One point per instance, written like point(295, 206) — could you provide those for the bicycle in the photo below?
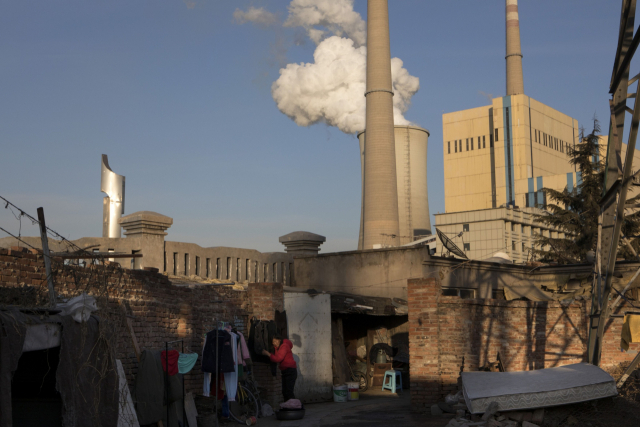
point(248, 403)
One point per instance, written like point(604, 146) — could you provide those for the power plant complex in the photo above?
point(395, 203)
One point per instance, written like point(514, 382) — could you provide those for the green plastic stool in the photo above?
point(389, 381)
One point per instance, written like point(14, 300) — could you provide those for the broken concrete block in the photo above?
point(538, 416)
point(460, 413)
point(491, 409)
point(519, 416)
point(501, 418)
point(445, 407)
point(455, 423)
point(528, 424)
point(435, 410)
point(572, 421)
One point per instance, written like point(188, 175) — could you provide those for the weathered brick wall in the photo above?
point(161, 311)
point(449, 334)
point(264, 300)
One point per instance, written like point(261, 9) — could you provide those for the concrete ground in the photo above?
point(375, 408)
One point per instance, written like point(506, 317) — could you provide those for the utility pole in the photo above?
point(47, 258)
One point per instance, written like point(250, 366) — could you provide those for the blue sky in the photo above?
point(180, 99)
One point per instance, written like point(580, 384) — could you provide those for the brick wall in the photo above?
point(162, 312)
point(449, 334)
point(264, 300)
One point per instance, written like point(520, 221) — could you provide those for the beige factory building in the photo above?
point(497, 159)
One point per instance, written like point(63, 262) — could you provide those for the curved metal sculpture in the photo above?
point(113, 205)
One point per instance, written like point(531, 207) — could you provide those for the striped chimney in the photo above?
point(381, 224)
point(515, 83)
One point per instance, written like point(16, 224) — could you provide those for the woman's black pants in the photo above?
point(289, 376)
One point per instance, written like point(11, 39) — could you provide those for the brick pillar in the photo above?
point(424, 343)
point(264, 300)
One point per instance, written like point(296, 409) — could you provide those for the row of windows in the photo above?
point(469, 144)
point(236, 269)
point(549, 141)
point(539, 137)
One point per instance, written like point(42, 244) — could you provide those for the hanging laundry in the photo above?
point(170, 359)
point(186, 362)
point(630, 331)
point(231, 378)
point(243, 346)
point(225, 352)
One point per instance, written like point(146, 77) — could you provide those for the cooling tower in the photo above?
point(515, 83)
point(411, 168)
point(380, 206)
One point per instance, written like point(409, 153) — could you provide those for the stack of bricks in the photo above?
point(448, 335)
point(264, 300)
point(161, 312)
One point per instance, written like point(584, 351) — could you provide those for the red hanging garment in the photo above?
point(172, 359)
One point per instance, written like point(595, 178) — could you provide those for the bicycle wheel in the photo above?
point(245, 405)
point(360, 378)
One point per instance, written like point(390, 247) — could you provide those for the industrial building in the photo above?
point(498, 158)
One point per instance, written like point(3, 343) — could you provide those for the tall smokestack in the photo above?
point(381, 225)
point(515, 83)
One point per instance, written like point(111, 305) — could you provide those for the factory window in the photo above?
point(247, 270)
point(496, 137)
point(513, 245)
point(208, 267)
point(544, 138)
point(484, 145)
point(197, 265)
point(455, 146)
point(274, 272)
point(472, 143)
point(467, 144)
point(264, 273)
point(175, 263)
point(448, 147)
point(491, 140)
point(228, 268)
point(513, 227)
point(218, 273)
point(523, 248)
point(460, 145)
point(465, 227)
point(186, 264)
point(467, 246)
point(238, 266)
point(522, 228)
point(535, 132)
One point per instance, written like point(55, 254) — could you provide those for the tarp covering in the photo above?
point(562, 385)
point(86, 375)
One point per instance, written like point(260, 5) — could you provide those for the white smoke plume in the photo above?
point(336, 16)
point(331, 89)
point(258, 16)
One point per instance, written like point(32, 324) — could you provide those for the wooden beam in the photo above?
point(72, 255)
point(47, 257)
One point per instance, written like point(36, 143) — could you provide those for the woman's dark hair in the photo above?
point(277, 337)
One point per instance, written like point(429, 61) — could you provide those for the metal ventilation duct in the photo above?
point(113, 205)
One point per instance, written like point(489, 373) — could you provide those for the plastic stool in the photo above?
point(392, 383)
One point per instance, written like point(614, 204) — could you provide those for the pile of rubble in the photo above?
point(455, 404)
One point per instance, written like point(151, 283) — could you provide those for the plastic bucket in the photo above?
point(353, 391)
point(340, 393)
